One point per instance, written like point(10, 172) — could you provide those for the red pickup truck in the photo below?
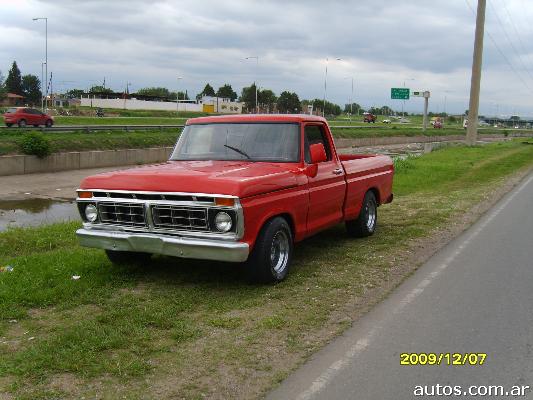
point(236, 188)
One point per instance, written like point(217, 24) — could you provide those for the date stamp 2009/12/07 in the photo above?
point(442, 358)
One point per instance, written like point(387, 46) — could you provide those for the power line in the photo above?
point(517, 33)
point(501, 52)
point(509, 40)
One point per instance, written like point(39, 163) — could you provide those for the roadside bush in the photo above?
point(35, 143)
point(402, 164)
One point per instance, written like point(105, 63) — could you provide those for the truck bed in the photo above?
point(366, 172)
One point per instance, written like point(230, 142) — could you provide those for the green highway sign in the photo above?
point(399, 93)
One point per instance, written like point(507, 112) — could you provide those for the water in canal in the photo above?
point(33, 212)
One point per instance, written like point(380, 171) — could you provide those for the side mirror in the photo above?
point(318, 153)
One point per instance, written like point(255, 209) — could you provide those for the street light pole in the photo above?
point(255, 82)
point(42, 81)
point(326, 86)
point(351, 98)
point(45, 54)
point(403, 101)
point(178, 95)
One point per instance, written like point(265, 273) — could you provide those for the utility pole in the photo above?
point(256, 76)
point(126, 93)
point(473, 108)
point(178, 95)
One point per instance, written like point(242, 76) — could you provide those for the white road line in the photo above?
point(322, 381)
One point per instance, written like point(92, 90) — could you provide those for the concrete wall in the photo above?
point(134, 104)
point(19, 164)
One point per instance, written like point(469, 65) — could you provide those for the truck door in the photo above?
point(327, 188)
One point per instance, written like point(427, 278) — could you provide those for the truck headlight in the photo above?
point(223, 221)
point(91, 213)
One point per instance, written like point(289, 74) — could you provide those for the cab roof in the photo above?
point(242, 118)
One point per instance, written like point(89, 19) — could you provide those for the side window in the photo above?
point(315, 134)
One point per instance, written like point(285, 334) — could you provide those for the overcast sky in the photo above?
point(381, 44)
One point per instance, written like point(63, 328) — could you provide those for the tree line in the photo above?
point(27, 85)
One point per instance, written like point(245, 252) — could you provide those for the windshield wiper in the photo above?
point(238, 151)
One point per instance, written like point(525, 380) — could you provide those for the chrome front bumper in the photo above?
point(204, 249)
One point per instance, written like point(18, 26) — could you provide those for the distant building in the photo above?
point(61, 101)
point(206, 104)
point(13, 100)
point(220, 105)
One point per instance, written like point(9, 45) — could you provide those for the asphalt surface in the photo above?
point(474, 296)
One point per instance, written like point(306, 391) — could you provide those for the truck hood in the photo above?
point(237, 178)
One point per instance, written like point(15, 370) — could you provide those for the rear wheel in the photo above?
point(127, 257)
point(49, 123)
point(365, 224)
point(22, 123)
point(9, 125)
point(36, 125)
point(271, 258)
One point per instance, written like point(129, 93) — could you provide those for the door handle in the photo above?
point(337, 171)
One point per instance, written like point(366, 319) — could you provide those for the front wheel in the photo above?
point(22, 123)
point(271, 257)
point(9, 125)
point(49, 123)
point(127, 257)
point(365, 224)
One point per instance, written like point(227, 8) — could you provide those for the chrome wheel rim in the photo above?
point(279, 251)
point(370, 211)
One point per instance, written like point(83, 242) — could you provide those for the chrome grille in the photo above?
point(129, 214)
point(179, 217)
point(154, 196)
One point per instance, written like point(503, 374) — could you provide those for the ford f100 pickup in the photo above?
point(237, 189)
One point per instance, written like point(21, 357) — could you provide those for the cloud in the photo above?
point(381, 44)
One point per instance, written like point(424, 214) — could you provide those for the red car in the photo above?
point(369, 117)
point(239, 189)
point(23, 116)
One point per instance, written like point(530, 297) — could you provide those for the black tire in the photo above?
point(9, 125)
point(365, 224)
point(22, 123)
point(36, 125)
point(49, 123)
point(127, 257)
point(272, 254)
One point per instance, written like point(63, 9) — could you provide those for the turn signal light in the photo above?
point(85, 195)
point(224, 202)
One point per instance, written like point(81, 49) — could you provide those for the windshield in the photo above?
point(236, 141)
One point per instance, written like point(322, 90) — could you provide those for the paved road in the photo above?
point(475, 295)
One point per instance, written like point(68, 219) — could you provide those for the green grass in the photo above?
point(62, 121)
point(195, 328)
point(99, 140)
point(110, 140)
point(142, 113)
